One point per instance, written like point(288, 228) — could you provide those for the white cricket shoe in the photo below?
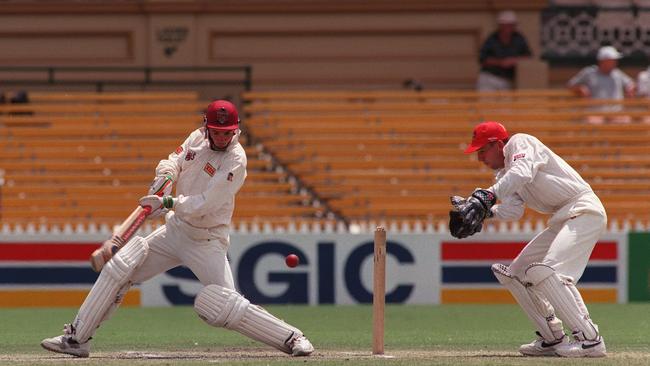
point(541, 348)
point(301, 346)
point(65, 344)
point(583, 348)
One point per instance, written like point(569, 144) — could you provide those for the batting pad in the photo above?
point(109, 288)
point(562, 298)
point(222, 307)
point(539, 311)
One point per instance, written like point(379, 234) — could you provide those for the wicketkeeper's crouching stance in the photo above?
point(543, 276)
point(208, 168)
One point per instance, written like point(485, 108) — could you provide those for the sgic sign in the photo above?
point(332, 270)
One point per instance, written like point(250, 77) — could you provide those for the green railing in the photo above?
point(102, 76)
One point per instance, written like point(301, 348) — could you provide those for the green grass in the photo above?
point(427, 335)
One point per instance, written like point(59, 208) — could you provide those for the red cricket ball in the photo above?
point(292, 260)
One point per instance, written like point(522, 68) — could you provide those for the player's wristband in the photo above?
point(168, 202)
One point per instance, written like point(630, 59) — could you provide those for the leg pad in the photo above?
point(546, 281)
point(538, 310)
point(222, 307)
point(108, 290)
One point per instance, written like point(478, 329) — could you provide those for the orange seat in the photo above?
point(388, 155)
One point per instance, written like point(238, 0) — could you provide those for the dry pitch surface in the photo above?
point(258, 356)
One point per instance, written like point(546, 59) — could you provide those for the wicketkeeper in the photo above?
point(543, 277)
point(208, 169)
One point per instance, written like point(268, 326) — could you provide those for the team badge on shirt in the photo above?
point(208, 168)
point(190, 155)
point(518, 156)
point(179, 150)
point(230, 176)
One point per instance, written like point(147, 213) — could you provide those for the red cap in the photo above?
point(221, 115)
point(485, 132)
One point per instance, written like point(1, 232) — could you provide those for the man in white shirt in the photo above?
point(643, 88)
point(543, 276)
point(604, 81)
point(208, 168)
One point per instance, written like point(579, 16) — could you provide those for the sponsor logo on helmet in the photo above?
point(208, 168)
point(222, 116)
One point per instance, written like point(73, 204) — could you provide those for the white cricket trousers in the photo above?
point(176, 243)
point(490, 82)
point(565, 247)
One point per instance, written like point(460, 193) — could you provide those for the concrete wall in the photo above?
point(293, 44)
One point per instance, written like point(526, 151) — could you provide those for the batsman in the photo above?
point(208, 169)
point(543, 277)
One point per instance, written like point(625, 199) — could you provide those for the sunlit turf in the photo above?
point(492, 329)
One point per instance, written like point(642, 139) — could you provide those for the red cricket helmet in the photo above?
point(221, 115)
point(485, 133)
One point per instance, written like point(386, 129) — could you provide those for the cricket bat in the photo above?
point(125, 231)
point(120, 237)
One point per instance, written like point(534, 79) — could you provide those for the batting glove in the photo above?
point(159, 205)
point(161, 185)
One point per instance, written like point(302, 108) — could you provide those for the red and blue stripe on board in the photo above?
point(76, 270)
point(601, 268)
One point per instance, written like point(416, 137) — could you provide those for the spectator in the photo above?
point(604, 81)
point(500, 54)
point(643, 83)
point(643, 88)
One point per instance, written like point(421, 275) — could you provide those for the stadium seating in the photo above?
point(314, 157)
point(82, 158)
point(113, 97)
point(398, 155)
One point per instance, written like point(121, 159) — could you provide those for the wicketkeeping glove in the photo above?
point(457, 225)
point(478, 207)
